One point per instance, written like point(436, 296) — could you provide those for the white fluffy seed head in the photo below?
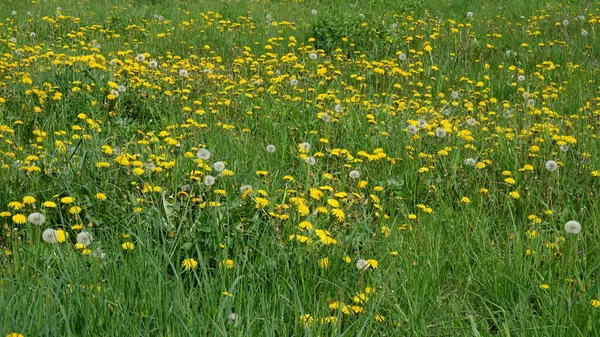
point(234, 319)
point(293, 82)
point(203, 154)
point(84, 238)
point(209, 180)
point(354, 174)
point(219, 166)
point(551, 165)
point(422, 124)
point(183, 73)
point(36, 218)
point(50, 235)
point(338, 108)
point(573, 227)
point(305, 146)
point(470, 162)
point(271, 148)
point(440, 133)
point(313, 56)
point(412, 129)
point(310, 161)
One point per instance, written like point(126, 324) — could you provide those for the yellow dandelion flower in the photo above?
point(189, 263)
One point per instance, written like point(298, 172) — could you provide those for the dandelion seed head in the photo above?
point(573, 227)
point(84, 238)
point(203, 154)
point(551, 165)
point(36, 218)
point(354, 174)
point(271, 148)
point(209, 180)
point(310, 161)
point(305, 146)
point(219, 166)
point(412, 129)
point(50, 235)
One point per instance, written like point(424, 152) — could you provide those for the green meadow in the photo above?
point(299, 168)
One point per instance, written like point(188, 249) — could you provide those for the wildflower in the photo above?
point(203, 154)
point(128, 246)
point(183, 73)
point(233, 319)
point(412, 129)
point(324, 263)
point(271, 148)
point(293, 82)
point(470, 162)
point(520, 78)
point(440, 133)
point(584, 33)
point(514, 195)
point(140, 57)
point(573, 227)
point(469, 14)
point(228, 263)
point(189, 263)
point(595, 303)
point(84, 238)
point(338, 108)
point(74, 210)
point(67, 200)
point(422, 124)
point(50, 235)
point(152, 64)
point(551, 165)
point(305, 147)
point(209, 180)
point(544, 286)
point(36, 218)
point(465, 200)
point(219, 166)
point(354, 174)
point(472, 121)
point(310, 161)
point(402, 57)
point(28, 200)
point(313, 56)
point(313, 12)
point(19, 219)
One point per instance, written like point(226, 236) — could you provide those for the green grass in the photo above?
point(452, 250)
